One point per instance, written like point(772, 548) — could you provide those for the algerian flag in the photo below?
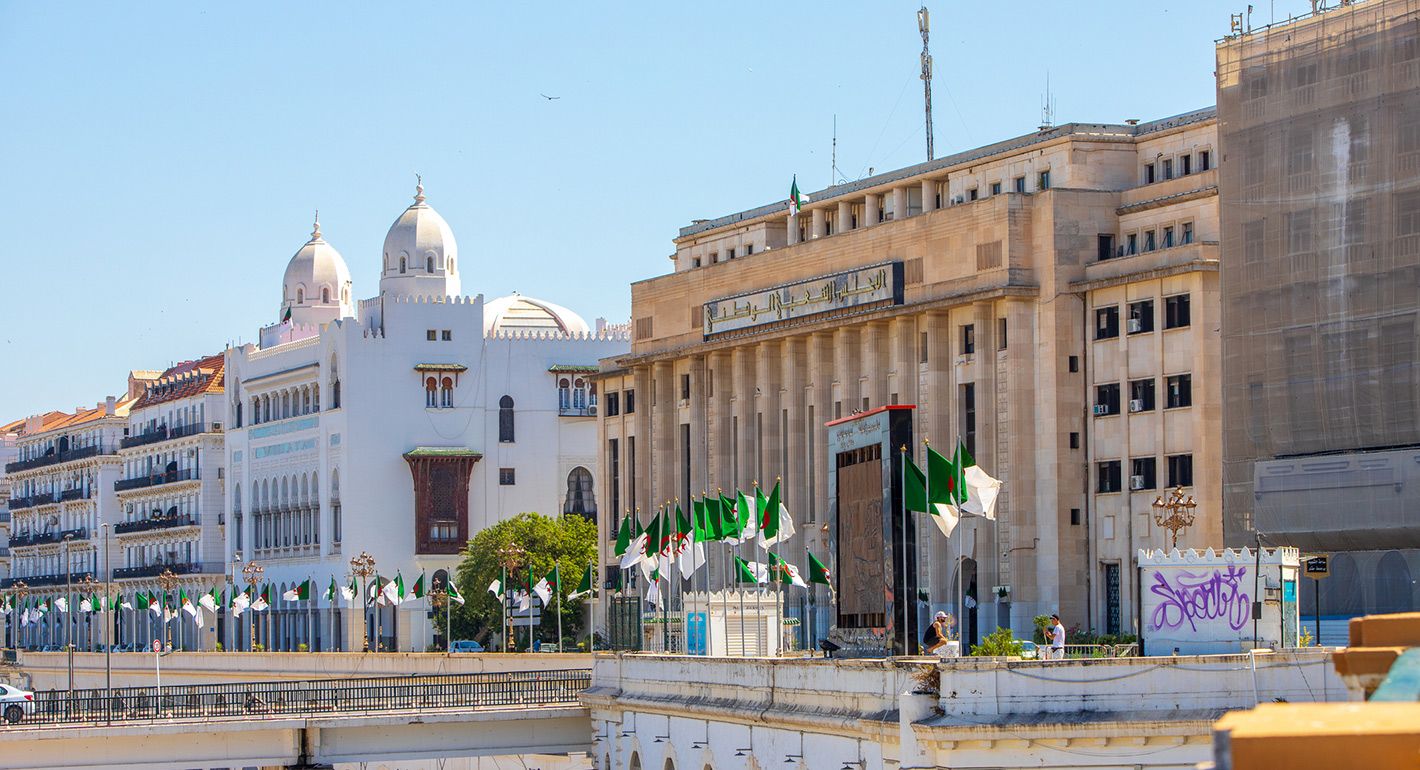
point(348, 592)
point(155, 605)
point(653, 591)
point(209, 601)
point(496, 587)
point(729, 524)
point(393, 592)
point(199, 619)
point(298, 593)
point(61, 604)
point(915, 498)
point(689, 548)
point(86, 605)
point(329, 594)
point(972, 491)
point(584, 587)
point(624, 535)
point(187, 605)
point(263, 600)
point(454, 595)
point(96, 603)
point(546, 586)
point(636, 544)
point(746, 515)
point(287, 316)
point(785, 572)
point(419, 587)
point(818, 571)
point(796, 198)
point(750, 571)
point(142, 601)
point(650, 541)
point(775, 524)
point(240, 602)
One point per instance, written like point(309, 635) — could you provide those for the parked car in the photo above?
point(466, 645)
point(1029, 650)
point(16, 703)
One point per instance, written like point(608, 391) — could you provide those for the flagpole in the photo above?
point(592, 632)
point(927, 493)
point(558, 574)
point(739, 590)
point(961, 556)
point(902, 598)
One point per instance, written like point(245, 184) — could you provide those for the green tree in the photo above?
point(570, 542)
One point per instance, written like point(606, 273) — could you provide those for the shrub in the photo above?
point(302, 647)
point(998, 643)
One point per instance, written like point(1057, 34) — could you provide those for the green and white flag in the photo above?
point(796, 198)
point(584, 587)
point(61, 604)
point(122, 602)
point(750, 572)
point(496, 587)
point(419, 587)
point(349, 592)
point(784, 572)
point(85, 604)
point(393, 592)
point(263, 600)
point(818, 571)
point(966, 490)
point(298, 593)
point(454, 595)
point(330, 591)
point(547, 586)
point(775, 524)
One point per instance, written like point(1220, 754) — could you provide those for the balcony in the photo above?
point(29, 538)
point(589, 410)
point(169, 477)
point(20, 503)
point(143, 439)
point(53, 458)
point(154, 570)
point(73, 494)
point(194, 429)
point(34, 581)
point(159, 522)
point(79, 533)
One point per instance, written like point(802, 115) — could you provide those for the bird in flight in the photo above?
point(549, 98)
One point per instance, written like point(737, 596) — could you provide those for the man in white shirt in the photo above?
point(1057, 639)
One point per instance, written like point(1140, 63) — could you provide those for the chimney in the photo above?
point(108, 406)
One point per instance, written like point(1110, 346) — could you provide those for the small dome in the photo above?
point(420, 254)
point(518, 313)
point(316, 279)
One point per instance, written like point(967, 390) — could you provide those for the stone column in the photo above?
point(870, 210)
point(845, 216)
point(845, 352)
point(820, 369)
point(899, 203)
point(791, 224)
point(641, 378)
point(699, 421)
point(666, 433)
point(720, 381)
point(994, 539)
point(904, 362)
point(818, 222)
point(929, 195)
point(795, 474)
point(743, 462)
point(875, 360)
point(770, 455)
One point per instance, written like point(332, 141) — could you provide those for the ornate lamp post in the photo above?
point(1174, 514)
point(86, 587)
point(362, 567)
point(252, 573)
point(439, 598)
point(21, 590)
point(510, 556)
point(167, 581)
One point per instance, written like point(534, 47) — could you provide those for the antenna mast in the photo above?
point(923, 26)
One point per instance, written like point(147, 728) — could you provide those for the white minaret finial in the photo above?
point(418, 189)
point(315, 231)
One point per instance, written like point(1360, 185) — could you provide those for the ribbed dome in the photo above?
point(420, 254)
point(518, 313)
point(316, 287)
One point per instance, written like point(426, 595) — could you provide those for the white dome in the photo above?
point(316, 287)
point(420, 254)
point(518, 313)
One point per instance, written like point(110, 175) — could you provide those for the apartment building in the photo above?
point(1319, 118)
point(169, 524)
point(1051, 299)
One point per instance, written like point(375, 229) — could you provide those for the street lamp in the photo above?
point(68, 592)
point(1176, 513)
point(168, 581)
point(252, 573)
point(231, 579)
point(21, 589)
point(362, 567)
point(439, 597)
point(511, 557)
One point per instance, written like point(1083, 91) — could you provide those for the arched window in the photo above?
point(429, 395)
point(446, 395)
point(564, 393)
point(335, 506)
point(325, 295)
point(334, 384)
point(401, 265)
point(450, 263)
point(580, 498)
point(579, 394)
point(300, 295)
point(505, 420)
point(428, 264)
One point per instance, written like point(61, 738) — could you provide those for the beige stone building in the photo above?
point(1051, 299)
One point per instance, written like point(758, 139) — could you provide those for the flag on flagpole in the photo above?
point(85, 605)
point(122, 602)
point(546, 586)
point(631, 541)
point(185, 602)
point(155, 604)
point(796, 198)
point(750, 571)
point(690, 548)
point(331, 591)
point(419, 587)
point(818, 571)
point(349, 592)
point(584, 587)
point(241, 600)
point(393, 592)
point(784, 572)
point(61, 604)
point(298, 593)
point(496, 587)
point(454, 595)
point(775, 524)
point(263, 600)
point(209, 601)
point(746, 515)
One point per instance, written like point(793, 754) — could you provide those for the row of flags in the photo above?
point(950, 488)
point(544, 590)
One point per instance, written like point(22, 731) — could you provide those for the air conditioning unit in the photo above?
point(958, 199)
point(1136, 482)
point(1101, 409)
point(1136, 404)
point(592, 410)
point(1135, 326)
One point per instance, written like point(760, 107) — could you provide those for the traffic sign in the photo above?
point(157, 645)
point(1318, 566)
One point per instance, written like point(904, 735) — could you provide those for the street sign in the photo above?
point(157, 645)
point(525, 620)
point(1317, 567)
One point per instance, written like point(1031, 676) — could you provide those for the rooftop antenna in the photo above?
point(924, 26)
point(833, 163)
point(1047, 107)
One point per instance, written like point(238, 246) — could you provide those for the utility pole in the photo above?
point(923, 26)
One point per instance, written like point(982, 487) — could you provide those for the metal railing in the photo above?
point(167, 477)
point(320, 697)
point(158, 522)
point(178, 568)
point(143, 439)
point(54, 459)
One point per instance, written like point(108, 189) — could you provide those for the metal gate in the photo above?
point(624, 623)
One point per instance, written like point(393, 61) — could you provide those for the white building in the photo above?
point(399, 427)
point(170, 500)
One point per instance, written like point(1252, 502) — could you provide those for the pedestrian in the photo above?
point(1057, 639)
point(937, 635)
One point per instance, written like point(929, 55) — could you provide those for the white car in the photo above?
point(15, 703)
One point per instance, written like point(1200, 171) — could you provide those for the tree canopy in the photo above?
point(570, 542)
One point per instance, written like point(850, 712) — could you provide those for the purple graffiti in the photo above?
point(1207, 596)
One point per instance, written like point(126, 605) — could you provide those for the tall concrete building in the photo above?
point(1051, 299)
point(1319, 124)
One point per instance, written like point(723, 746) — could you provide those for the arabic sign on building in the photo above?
point(865, 286)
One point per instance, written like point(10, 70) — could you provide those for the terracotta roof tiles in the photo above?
point(189, 378)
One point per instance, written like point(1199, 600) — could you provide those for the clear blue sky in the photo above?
point(159, 161)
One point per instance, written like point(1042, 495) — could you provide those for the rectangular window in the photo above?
point(1105, 247)
point(1148, 240)
point(1074, 362)
point(431, 335)
point(1113, 617)
point(1107, 476)
point(685, 388)
point(1168, 238)
point(729, 253)
point(922, 348)
point(1168, 168)
point(1000, 334)
point(1205, 160)
point(1185, 165)
point(714, 257)
point(1299, 231)
point(507, 477)
point(1107, 399)
point(1180, 470)
point(1132, 247)
point(1107, 322)
point(630, 402)
point(613, 457)
point(972, 194)
point(968, 339)
point(1253, 233)
point(1074, 517)
point(631, 472)
point(1074, 440)
point(1141, 395)
point(613, 404)
point(1020, 184)
point(695, 261)
point(1148, 173)
point(709, 383)
point(1042, 181)
point(968, 416)
point(1176, 311)
point(1180, 391)
point(1142, 473)
point(1187, 236)
point(995, 188)
point(749, 249)
point(447, 335)
point(1141, 316)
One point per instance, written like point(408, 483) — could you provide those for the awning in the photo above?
point(440, 368)
point(443, 451)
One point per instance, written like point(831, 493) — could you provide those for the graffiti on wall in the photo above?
point(1193, 597)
